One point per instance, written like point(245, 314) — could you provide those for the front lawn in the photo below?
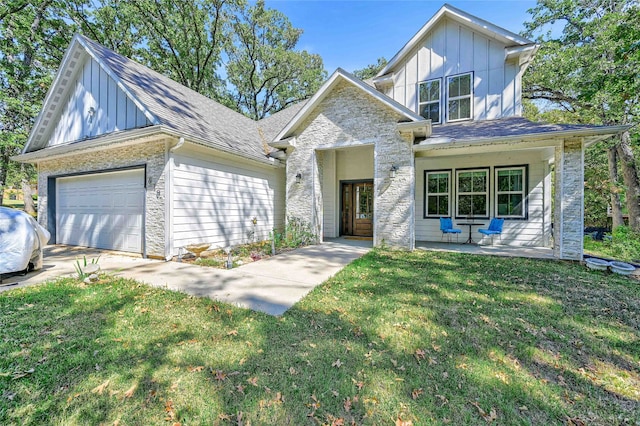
point(395, 338)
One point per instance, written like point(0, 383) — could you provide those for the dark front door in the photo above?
point(357, 208)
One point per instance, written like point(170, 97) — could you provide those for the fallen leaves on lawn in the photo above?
point(400, 422)
point(420, 354)
point(490, 417)
point(197, 369)
point(415, 394)
point(347, 404)
point(337, 363)
point(220, 375)
point(575, 422)
point(253, 381)
point(232, 333)
point(100, 388)
point(168, 408)
point(129, 393)
point(240, 388)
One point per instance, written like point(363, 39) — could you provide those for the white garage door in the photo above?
point(103, 210)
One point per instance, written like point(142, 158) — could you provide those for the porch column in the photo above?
point(569, 200)
point(394, 210)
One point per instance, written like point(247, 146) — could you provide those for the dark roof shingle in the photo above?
point(187, 111)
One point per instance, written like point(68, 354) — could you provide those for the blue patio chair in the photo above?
point(446, 226)
point(495, 228)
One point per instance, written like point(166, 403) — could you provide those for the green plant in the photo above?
point(80, 267)
point(625, 243)
point(215, 263)
point(298, 233)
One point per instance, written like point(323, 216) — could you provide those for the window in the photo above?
point(429, 100)
point(437, 193)
point(459, 97)
point(511, 192)
point(472, 192)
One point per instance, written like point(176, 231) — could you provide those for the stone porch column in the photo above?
point(568, 220)
point(394, 200)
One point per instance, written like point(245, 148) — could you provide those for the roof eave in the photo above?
point(591, 136)
point(132, 137)
point(47, 99)
point(129, 137)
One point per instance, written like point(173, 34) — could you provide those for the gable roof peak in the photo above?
point(477, 24)
point(341, 75)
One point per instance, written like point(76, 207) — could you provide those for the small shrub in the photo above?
point(80, 266)
point(215, 263)
point(625, 243)
point(298, 233)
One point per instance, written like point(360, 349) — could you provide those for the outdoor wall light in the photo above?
point(299, 177)
point(92, 113)
point(392, 172)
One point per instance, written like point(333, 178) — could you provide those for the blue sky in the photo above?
point(353, 34)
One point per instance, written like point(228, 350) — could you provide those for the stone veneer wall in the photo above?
point(350, 117)
point(569, 200)
point(151, 154)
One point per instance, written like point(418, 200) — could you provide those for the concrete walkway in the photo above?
point(270, 285)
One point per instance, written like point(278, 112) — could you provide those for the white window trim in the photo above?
point(455, 98)
point(458, 193)
point(439, 101)
point(523, 192)
point(427, 193)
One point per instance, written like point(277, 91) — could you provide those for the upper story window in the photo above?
point(429, 100)
point(459, 97)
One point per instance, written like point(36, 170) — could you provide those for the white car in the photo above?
point(21, 241)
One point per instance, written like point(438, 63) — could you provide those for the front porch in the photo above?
point(485, 250)
point(495, 250)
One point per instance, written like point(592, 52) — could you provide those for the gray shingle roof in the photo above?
point(184, 110)
point(271, 126)
point(502, 127)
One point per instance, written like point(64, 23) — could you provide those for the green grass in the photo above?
point(429, 338)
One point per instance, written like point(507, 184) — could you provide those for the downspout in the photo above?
point(168, 199)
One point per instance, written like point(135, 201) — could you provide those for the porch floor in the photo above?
point(495, 250)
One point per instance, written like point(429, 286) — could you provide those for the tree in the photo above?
point(265, 70)
point(370, 70)
point(186, 41)
point(30, 43)
point(589, 67)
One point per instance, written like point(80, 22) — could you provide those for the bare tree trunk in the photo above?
point(616, 204)
point(630, 175)
point(4, 163)
point(27, 193)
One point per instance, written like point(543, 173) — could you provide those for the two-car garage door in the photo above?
point(102, 210)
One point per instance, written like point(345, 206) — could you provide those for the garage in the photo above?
point(101, 210)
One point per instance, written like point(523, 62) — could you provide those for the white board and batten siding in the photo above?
point(215, 199)
point(101, 210)
point(95, 106)
point(531, 232)
point(451, 49)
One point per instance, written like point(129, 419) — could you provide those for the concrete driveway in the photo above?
point(270, 285)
